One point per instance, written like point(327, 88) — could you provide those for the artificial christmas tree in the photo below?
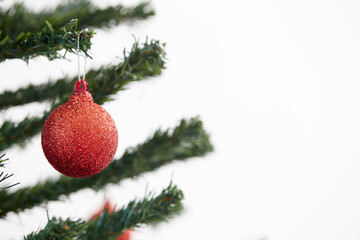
point(26, 35)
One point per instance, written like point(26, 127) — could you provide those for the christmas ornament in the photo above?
point(79, 138)
point(108, 206)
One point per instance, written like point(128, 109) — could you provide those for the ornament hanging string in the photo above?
point(78, 53)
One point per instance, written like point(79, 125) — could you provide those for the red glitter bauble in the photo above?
point(79, 138)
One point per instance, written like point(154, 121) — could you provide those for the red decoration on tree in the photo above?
point(110, 209)
point(125, 235)
point(79, 138)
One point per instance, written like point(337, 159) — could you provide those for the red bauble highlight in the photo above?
point(79, 138)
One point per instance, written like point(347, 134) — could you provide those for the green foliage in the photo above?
point(143, 61)
point(187, 140)
point(18, 133)
point(152, 209)
point(59, 229)
point(2, 160)
point(18, 19)
point(3, 176)
point(47, 42)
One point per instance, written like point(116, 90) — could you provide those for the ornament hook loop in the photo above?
point(81, 86)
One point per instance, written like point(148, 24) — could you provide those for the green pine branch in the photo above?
point(144, 60)
point(18, 18)
point(47, 42)
point(187, 140)
point(2, 160)
point(18, 133)
point(5, 176)
point(150, 210)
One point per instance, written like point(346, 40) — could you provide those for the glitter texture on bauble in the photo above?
point(79, 138)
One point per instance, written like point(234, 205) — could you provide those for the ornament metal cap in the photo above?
point(81, 88)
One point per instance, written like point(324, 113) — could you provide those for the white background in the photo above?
point(277, 85)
